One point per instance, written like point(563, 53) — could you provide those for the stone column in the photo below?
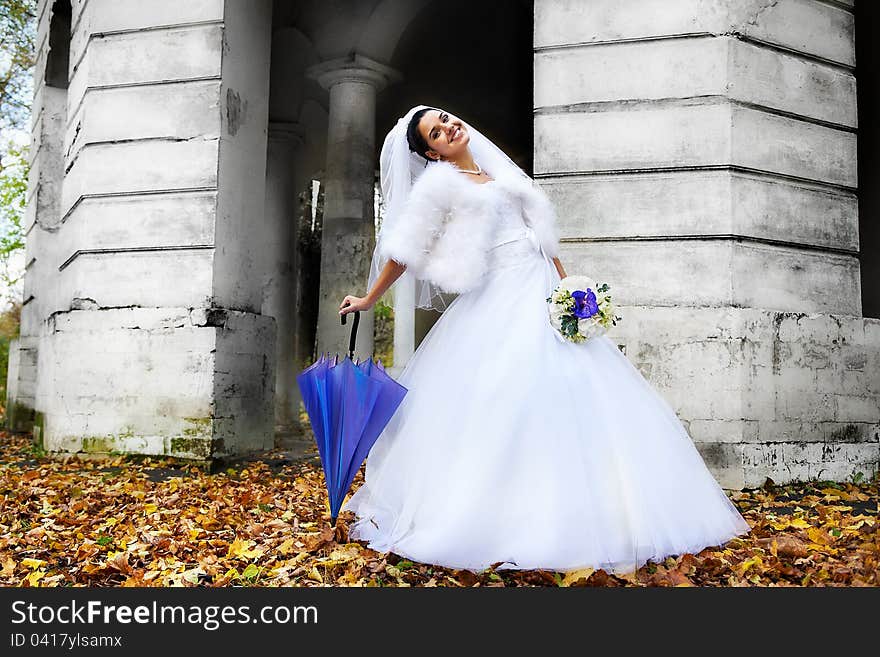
point(348, 229)
point(702, 156)
point(404, 323)
point(43, 216)
point(154, 342)
point(411, 325)
point(279, 290)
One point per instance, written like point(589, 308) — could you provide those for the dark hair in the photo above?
point(416, 141)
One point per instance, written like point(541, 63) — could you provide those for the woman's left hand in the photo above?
point(351, 303)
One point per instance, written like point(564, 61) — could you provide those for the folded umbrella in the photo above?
point(348, 404)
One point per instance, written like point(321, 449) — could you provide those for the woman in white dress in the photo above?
point(512, 446)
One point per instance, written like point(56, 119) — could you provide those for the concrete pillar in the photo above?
point(348, 233)
point(404, 323)
point(43, 217)
point(702, 157)
point(411, 324)
point(154, 342)
point(282, 206)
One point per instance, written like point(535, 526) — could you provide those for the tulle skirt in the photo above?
point(517, 447)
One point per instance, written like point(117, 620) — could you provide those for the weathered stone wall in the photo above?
point(762, 393)
point(702, 156)
point(151, 338)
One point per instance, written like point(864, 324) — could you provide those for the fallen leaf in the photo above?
point(574, 576)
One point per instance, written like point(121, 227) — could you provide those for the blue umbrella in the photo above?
point(348, 405)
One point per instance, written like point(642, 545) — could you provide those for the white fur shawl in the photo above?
point(445, 229)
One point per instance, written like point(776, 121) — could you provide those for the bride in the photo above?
point(512, 447)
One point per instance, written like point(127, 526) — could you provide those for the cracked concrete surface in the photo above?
point(763, 7)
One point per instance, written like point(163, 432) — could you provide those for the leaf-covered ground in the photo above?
point(149, 522)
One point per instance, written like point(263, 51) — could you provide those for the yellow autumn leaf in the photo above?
point(343, 554)
point(574, 575)
point(35, 577)
point(632, 578)
point(819, 536)
point(299, 556)
point(32, 563)
point(168, 561)
point(237, 547)
point(748, 563)
point(346, 579)
point(150, 508)
point(254, 553)
point(315, 575)
point(240, 548)
point(799, 523)
point(8, 567)
point(834, 492)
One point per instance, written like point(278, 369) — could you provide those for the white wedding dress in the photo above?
point(515, 446)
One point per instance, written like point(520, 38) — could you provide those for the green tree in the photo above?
point(10, 322)
point(13, 200)
point(17, 33)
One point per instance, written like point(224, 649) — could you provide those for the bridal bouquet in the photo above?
point(579, 312)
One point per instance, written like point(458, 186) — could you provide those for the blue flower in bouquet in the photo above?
point(579, 309)
point(585, 304)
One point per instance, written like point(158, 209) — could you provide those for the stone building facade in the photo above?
point(702, 155)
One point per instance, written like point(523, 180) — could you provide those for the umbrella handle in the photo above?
point(354, 328)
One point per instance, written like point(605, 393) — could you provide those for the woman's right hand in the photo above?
point(351, 303)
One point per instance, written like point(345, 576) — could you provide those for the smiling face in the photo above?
point(445, 134)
